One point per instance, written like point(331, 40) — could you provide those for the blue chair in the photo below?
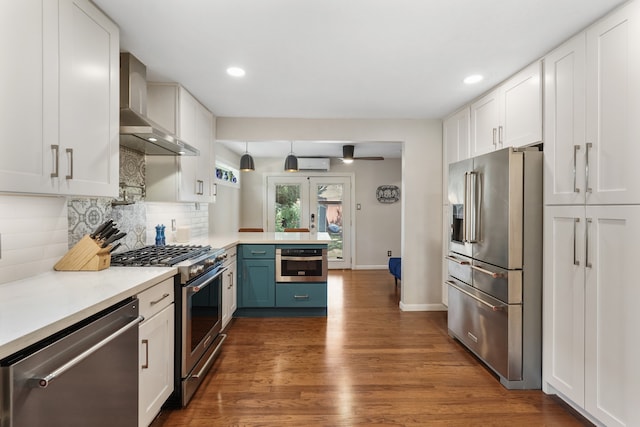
point(395, 268)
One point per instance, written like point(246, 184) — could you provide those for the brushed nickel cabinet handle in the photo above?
point(146, 357)
point(586, 167)
point(159, 299)
point(587, 263)
point(301, 297)
point(495, 132)
point(575, 226)
point(56, 160)
point(575, 156)
point(70, 153)
point(500, 135)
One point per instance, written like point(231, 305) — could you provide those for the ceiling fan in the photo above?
point(347, 155)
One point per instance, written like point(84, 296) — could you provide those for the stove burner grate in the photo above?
point(157, 255)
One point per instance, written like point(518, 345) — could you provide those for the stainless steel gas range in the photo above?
point(198, 320)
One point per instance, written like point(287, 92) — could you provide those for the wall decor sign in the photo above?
point(388, 193)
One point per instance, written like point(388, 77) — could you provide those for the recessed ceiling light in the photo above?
point(235, 71)
point(475, 78)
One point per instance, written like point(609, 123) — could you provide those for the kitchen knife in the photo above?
point(113, 239)
point(116, 246)
point(108, 233)
point(100, 228)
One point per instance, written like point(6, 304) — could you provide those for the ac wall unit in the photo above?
point(313, 164)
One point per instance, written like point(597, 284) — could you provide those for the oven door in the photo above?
point(201, 317)
point(301, 265)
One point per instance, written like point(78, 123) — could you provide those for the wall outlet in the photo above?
point(388, 253)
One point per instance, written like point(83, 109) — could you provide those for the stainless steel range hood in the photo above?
point(137, 131)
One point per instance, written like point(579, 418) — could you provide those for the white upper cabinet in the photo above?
point(180, 178)
point(59, 109)
point(510, 115)
point(613, 108)
point(485, 119)
point(564, 119)
point(89, 94)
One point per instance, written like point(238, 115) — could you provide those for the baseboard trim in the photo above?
point(370, 267)
point(422, 307)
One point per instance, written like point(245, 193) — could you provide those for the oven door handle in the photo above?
point(301, 258)
point(194, 289)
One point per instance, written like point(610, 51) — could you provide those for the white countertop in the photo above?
point(268, 238)
point(36, 307)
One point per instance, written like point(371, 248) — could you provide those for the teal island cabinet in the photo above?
point(260, 296)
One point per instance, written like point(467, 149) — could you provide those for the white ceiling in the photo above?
point(343, 58)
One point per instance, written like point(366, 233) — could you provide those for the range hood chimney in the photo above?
point(137, 131)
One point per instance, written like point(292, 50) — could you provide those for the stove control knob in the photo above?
point(209, 262)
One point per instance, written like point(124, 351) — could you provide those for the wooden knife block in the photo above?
point(86, 255)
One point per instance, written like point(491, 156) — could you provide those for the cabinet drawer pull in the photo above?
point(56, 160)
point(258, 252)
point(145, 343)
point(301, 297)
point(159, 299)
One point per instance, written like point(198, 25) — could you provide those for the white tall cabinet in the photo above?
point(59, 104)
point(455, 131)
point(592, 220)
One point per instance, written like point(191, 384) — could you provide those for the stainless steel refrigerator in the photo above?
point(495, 262)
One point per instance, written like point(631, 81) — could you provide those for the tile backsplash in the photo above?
point(33, 230)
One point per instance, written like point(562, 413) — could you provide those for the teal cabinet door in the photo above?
point(257, 286)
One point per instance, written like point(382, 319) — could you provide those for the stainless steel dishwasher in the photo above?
point(83, 376)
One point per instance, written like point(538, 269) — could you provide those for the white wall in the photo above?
point(378, 225)
point(224, 214)
point(421, 185)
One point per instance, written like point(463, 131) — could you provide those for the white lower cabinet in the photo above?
point(229, 289)
point(591, 350)
point(156, 350)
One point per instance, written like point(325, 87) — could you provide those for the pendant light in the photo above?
point(246, 161)
point(291, 162)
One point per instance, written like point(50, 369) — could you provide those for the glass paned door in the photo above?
point(321, 204)
point(330, 205)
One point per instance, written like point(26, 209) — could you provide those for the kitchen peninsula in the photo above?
point(269, 283)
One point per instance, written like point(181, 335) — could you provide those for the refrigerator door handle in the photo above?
point(465, 209)
point(472, 236)
point(481, 301)
point(487, 272)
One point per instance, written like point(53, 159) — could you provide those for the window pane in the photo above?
point(287, 206)
point(330, 216)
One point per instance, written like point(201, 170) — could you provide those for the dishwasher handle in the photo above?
point(44, 381)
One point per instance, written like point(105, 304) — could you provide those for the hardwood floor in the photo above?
point(367, 363)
